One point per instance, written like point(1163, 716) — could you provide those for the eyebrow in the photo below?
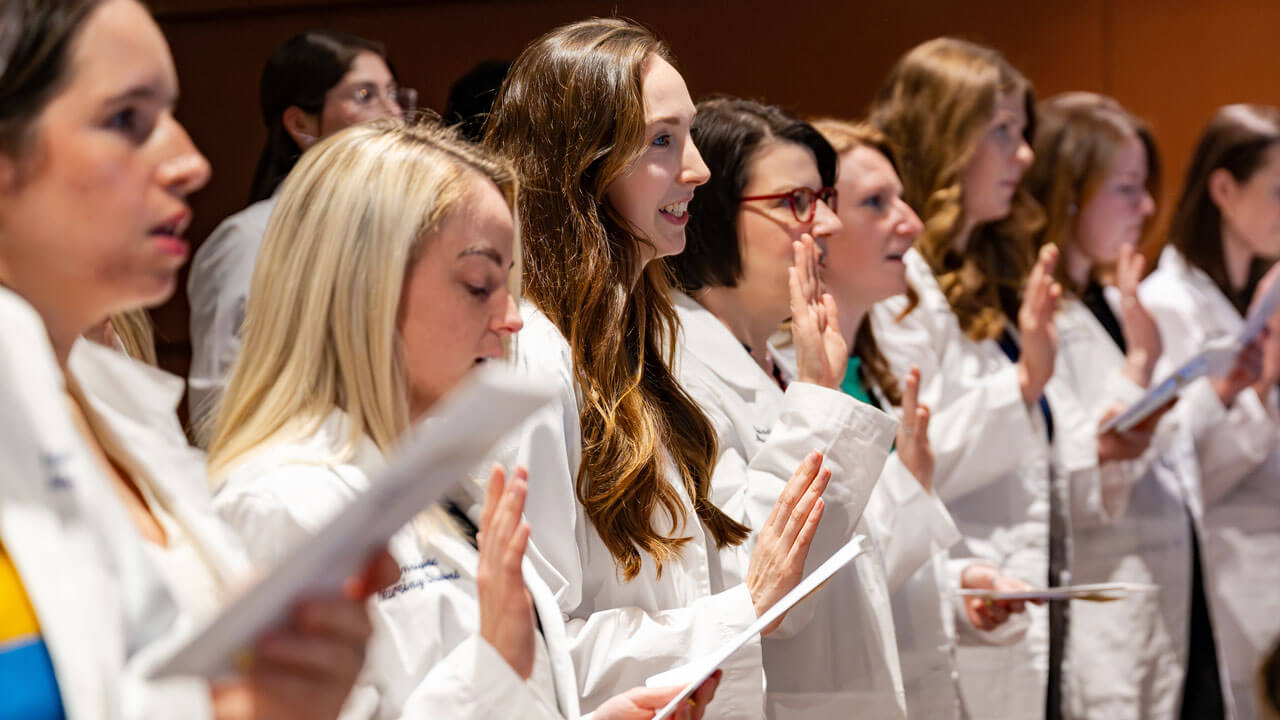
point(666, 120)
point(139, 92)
point(484, 252)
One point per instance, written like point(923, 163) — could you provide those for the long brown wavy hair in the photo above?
point(571, 118)
point(1236, 140)
point(935, 105)
point(845, 137)
point(1077, 136)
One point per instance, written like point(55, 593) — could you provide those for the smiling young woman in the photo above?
point(644, 564)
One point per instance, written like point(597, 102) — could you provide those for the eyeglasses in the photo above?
point(803, 201)
point(405, 99)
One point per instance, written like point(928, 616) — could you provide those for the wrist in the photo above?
point(1030, 393)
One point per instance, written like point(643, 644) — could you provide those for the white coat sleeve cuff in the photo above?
point(474, 681)
point(909, 524)
point(1013, 629)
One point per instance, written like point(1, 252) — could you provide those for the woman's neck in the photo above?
point(749, 325)
point(1077, 266)
point(961, 239)
point(851, 315)
point(1237, 257)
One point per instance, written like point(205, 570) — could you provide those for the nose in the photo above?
point(1024, 155)
point(909, 224)
point(1147, 204)
point(509, 322)
point(693, 171)
point(825, 222)
point(183, 170)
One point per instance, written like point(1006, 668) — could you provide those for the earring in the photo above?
point(308, 139)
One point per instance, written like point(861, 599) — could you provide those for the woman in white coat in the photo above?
point(863, 266)
point(1096, 174)
point(1016, 453)
point(86, 117)
point(626, 533)
point(770, 194)
point(366, 309)
point(313, 85)
point(1223, 236)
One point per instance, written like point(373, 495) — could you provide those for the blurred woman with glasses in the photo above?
point(752, 260)
point(313, 85)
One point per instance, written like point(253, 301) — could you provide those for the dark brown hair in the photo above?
point(571, 118)
point(728, 131)
point(38, 66)
point(935, 105)
point(1236, 140)
point(1077, 136)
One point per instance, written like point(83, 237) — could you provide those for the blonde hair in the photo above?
point(935, 105)
point(320, 327)
point(845, 137)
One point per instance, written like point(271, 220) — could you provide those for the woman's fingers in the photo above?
point(795, 488)
point(800, 513)
point(493, 495)
point(910, 394)
point(314, 655)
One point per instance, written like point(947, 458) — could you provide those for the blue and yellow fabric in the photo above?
point(28, 687)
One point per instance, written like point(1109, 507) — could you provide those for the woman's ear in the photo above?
point(1223, 189)
point(302, 126)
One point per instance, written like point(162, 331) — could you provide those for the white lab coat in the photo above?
point(218, 288)
point(914, 532)
point(1240, 476)
point(426, 657)
point(846, 655)
point(623, 632)
point(993, 460)
point(1140, 641)
point(105, 614)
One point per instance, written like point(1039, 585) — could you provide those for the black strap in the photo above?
point(1094, 299)
point(1058, 619)
point(1013, 352)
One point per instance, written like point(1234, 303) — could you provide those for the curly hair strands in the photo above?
point(571, 117)
point(935, 106)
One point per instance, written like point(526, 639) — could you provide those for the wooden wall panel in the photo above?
point(1173, 61)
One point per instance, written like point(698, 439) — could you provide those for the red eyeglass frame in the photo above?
point(828, 195)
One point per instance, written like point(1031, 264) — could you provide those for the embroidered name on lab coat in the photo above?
point(762, 434)
point(416, 577)
point(53, 467)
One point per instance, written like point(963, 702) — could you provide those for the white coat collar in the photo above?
point(709, 341)
point(1212, 300)
point(133, 408)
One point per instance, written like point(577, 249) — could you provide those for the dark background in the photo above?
point(1171, 61)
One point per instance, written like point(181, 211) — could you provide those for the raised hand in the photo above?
point(506, 610)
point(307, 669)
point(821, 351)
point(643, 703)
point(913, 432)
point(777, 562)
point(983, 613)
point(1036, 329)
point(1140, 331)
point(1128, 444)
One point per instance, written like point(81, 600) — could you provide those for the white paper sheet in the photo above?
point(432, 458)
point(695, 673)
point(1096, 592)
point(1215, 360)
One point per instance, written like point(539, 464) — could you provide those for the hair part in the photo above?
point(935, 105)
point(1077, 137)
point(571, 116)
point(300, 73)
point(1236, 139)
point(730, 133)
point(320, 330)
point(38, 66)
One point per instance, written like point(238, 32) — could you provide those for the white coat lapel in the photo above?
point(707, 340)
